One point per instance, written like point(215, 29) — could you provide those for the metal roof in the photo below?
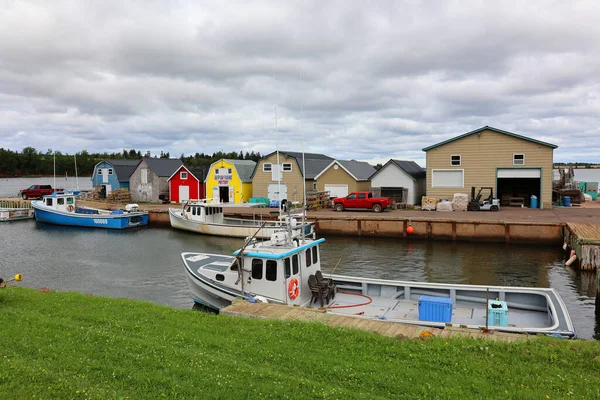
point(491, 129)
point(199, 171)
point(123, 168)
point(164, 167)
point(359, 170)
point(244, 168)
point(411, 168)
point(315, 163)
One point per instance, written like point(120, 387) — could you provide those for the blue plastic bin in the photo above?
point(497, 313)
point(435, 309)
point(566, 201)
point(533, 202)
point(274, 203)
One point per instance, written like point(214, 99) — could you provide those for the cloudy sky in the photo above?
point(358, 80)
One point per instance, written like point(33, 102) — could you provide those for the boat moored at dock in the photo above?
point(15, 214)
point(287, 271)
point(208, 218)
point(62, 209)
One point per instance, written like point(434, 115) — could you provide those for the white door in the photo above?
point(105, 176)
point(108, 189)
point(337, 190)
point(184, 193)
point(274, 191)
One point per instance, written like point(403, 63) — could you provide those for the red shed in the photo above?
point(187, 183)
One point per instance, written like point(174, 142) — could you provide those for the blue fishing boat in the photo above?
point(62, 209)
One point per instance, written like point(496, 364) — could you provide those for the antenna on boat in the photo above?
point(303, 173)
point(76, 176)
point(277, 150)
point(54, 184)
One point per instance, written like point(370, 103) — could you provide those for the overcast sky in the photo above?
point(375, 80)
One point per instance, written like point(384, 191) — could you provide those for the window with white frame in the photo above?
point(455, 160)
point(447, 178)
point(183, 175)
point(110, 171)
point(287, 167)
point(518, 159)
point(99, 171)
point(267, 167)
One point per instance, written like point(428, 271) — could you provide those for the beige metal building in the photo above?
point(286, 181)
point(517, 167)
point(342, 177)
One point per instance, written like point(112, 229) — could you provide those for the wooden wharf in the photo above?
point(9, 203)
point(584, 238)
point(245, 309)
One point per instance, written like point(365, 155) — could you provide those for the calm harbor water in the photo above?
point(9, 187)
point(145, 264)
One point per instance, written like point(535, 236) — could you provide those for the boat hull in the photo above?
point(15, 214)
point(239, 230)
point(104, 221)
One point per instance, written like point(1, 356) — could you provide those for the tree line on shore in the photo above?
point(33, 162)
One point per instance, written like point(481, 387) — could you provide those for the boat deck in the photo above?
point(463, 313)
point(242, 308)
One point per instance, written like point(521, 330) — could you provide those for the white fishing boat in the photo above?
point(208, 218)
point(287, 271)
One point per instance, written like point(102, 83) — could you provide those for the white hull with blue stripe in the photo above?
point(61, 209)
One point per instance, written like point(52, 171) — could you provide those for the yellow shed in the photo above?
point(230, 181)
point(515, 166)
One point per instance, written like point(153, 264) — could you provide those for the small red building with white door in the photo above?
point(187, 183)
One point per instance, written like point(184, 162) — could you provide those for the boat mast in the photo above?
point(303, 173)
point(76, 176)
point(54, 185)
point(277, 150)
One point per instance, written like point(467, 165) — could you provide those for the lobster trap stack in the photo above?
point(428, 203)
point(460, 202)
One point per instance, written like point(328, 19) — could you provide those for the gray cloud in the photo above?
point(373, 81)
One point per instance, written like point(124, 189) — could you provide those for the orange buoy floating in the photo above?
point(410, 230)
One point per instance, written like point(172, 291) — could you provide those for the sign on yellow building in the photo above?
point(229, 181)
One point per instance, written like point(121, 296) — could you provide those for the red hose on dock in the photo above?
point(353, 305)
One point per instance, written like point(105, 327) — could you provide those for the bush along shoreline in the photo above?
point(75, 346)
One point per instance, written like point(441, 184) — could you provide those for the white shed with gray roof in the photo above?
point(396, 174)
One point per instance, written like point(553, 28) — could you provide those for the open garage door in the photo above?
point(336, 190)
point(516, 186)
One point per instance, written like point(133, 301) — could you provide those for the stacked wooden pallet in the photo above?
point(317, 200)
point(429, 203)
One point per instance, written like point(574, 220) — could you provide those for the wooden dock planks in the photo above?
point(585, 231)
point(241, 308)
point(585, 240)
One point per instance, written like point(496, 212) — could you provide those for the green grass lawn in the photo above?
point(74, 346)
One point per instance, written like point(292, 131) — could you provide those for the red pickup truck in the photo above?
point(362, 200)
point(37, 191)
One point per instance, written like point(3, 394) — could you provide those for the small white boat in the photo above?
point(207, 218)
point(15, 214)
point(283, 271)
point(62, 209)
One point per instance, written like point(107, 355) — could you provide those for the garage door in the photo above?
point(274, 191)
point(519, 173)
point(337, 190)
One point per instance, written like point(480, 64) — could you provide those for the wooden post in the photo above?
point(597, 294)
point(358, 228)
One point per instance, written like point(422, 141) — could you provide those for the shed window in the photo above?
point(257, 268)
point(447, 178)
point(271, 271)
point(295, 264)
point(229, 170)
point(519, 159)
point(455, 161)
point(267, 167)
point(99, 171)
point(110, 171)
point(308, 258)
point(287, 167)
point(183, 175)
point(315, 255)
point(287, 267)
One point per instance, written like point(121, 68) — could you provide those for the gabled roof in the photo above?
point(315, 163)
point(244, 168)
point(164, 167)
point(359, 170)
point(197, 171)
point(491, 129)
point(122, 168)
point(410, 167)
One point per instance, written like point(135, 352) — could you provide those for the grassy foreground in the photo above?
point(74, 346)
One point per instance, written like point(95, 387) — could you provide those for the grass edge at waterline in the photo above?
point(71, 345)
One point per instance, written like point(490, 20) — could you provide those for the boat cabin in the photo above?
point(60, 202)
point(204, 212)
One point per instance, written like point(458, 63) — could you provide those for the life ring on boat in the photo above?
point(293, 288)
point(70, 208)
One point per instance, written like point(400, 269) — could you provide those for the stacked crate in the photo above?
point(460, 202)
point(317, 200)
point(120, 195)
point(429, 203)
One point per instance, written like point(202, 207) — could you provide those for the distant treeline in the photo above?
point(32, 162)
point(576, 165)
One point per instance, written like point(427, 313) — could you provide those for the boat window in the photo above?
point(235, 266)
point(257, 267)
point(60, 201)
point(271, 270)
point(308, 258)
point(315, 255)
point(69, 200)
point(48, 202)
point(193, 209)
point(287, 267)
point(295, 264)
